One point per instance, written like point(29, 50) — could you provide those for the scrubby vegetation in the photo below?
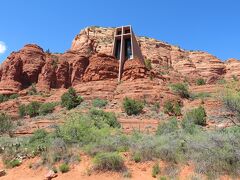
point(172, 108)
point(155, 170)
point(100, 103)
point(201, 95)
point(63, 168)
point(200, 82)
point(132, 106)
point(6, 124)
point(180, 89)
point(97, 133)
point(4, 98)
point(196, 116)
point(70, 99)
point(36, 108)
point(32, 90)
point(148, 64)
point(108, 161)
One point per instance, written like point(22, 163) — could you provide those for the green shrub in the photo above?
point(81, 129)
point(32, 109)
point(3, 98)
point(127, 174)
point(201, 95)
point(109, 161)
point(234, 77)
point(38, 142)
point(137, 157)
point(6, 124)
point(172, 108)
point(119, 142)
point(101, 118)
point(148, 64)
point(13, 163)
point(99, 103)
point(32, 90)
point(222, 81)
point(231, 100)
point(63, 168)
point(22, 110)
point(200, 82)
point(13, 96)
point(167, 127)
point(196, 116)
point(70, 99)
point(180, 89)
point(46, 108)
point(132, 107)
point(156, 107)
point(163, 178)
point(155, 170)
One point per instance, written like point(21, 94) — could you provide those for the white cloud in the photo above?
point(3, 47)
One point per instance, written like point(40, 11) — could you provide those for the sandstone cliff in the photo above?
point(89, 59)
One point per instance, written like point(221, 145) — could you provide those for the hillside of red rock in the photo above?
point(89, 59)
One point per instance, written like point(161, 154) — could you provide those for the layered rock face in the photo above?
point(89, 59)
point(232, 69)
point(191, 64)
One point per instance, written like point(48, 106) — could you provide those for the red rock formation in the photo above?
point(89, 59)
point(101, 67)
point(134, 69)
point(232, 69)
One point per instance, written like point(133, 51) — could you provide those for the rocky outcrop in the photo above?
point(134, 69)
point(191, 64)
point(89, 59)
point(232, 69)
point(101, 67)
point(21, 69)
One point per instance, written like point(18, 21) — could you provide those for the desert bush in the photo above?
point(102, 118)
point(148, 64)
point(108, 161)
point(32, 109)
point(180, 89)
point(196, 116)
point(13, 96)
point(167, 127)
point(201, 95)
point(155, 170)
point(46, 108)
point(6, 124)
point(4, 98)
point(215, 153)
point(156, 107)
point(234, 77)
point(127, 174)
point(81, 129)
point(119, 142)
point(13, 163)
point(132, 107)
point(100, 103)
point(136, 157)
point(221, 81)
point(70, 99)
point(38, 142)
point(63, 168)
point(22, 110)
point(231, 100)
point(172, 108)
point(200, 82)
point(32, 90)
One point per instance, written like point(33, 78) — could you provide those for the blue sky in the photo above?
point(208, 25)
